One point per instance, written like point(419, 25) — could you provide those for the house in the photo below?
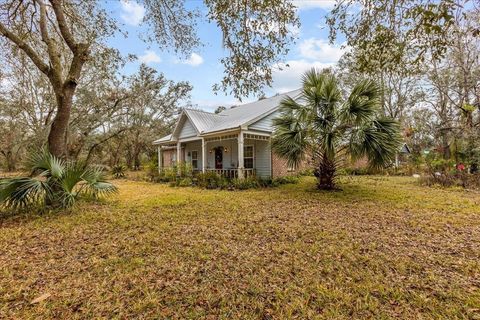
point(235, 143)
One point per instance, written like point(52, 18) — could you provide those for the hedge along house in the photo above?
point(235, 142)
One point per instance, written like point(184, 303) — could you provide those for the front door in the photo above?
point(219, 158)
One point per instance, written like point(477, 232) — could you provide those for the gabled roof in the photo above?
point(203, 120)
point(243, 114)
point(168, 137)
point(232, 118)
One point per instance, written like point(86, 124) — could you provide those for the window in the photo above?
point(195, 159)
point(248, 156)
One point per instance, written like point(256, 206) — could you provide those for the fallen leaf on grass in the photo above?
point(41, 298)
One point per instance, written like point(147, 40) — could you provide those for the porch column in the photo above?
point(240, 155)
point(204, 157)
point(160, 158)
point(179, 149)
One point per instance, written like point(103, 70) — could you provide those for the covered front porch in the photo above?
point(233, 155)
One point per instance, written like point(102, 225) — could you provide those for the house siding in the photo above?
point(266, 123)
point(262, 161)
point(193, 146)
point(187, 130)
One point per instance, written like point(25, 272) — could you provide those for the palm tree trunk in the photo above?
point(325, 174)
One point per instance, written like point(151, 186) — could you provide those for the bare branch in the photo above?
point(41, 65)
point(62, 24)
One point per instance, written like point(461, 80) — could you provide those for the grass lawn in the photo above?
point(381, 248)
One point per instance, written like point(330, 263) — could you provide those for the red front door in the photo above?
point(219, 158)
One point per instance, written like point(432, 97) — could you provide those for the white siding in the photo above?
point(266, 123)
point(187, 130)
point(194, 146)
point(262, 161)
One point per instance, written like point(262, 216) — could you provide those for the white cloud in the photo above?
point(312, 4)
point(194, 60)
point(150, 57)
point(320, 50)
point(288, 78)
point(132, 12)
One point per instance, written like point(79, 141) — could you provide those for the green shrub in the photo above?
point(247, 183)
point(452, 179)
point(184, 182)
point(306, 172)
point(211, 180)
point(151, 172)
point(356, 171)
point(285, 180)
point(435, 163)
point(258, 182)
point(168, 174)
point(185, 169)
point(54, 183)
point(118, 171)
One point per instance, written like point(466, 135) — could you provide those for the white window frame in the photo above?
point(253, 155)
point(191, 159)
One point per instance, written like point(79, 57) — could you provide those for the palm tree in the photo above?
point(325, 125)
point(54, 183)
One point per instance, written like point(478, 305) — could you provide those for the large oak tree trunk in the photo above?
point(57, 144)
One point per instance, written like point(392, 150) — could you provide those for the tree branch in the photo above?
point(95, 145)
point(42, 66)
point(62, 24)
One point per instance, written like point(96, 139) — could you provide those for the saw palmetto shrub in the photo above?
point(53, 182)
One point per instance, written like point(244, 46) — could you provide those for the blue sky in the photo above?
point(203, 69)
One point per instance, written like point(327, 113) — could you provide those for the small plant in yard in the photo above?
point(185, 169)
point(183, 182)
point(247, 183)
point(327, 126)
point(53, 183)
point(168, 174)
point(286, 180)
point(118, 171)
point(151, 171)
point(211, 180)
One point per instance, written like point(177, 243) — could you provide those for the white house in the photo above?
point(234, 143)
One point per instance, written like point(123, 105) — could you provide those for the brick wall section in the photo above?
point(280, 167)
point(361, 163)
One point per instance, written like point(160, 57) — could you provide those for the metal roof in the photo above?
point(204, 120)
point(163, 139)
point(234, 117)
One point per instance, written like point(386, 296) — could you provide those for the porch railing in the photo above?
point(232, 173)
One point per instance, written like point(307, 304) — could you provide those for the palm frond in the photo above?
point(73, 174)
point(96, 183)
point(16, 193)
point(289, 138)
point(379, 141)
point(363, 103)
point(45, 164)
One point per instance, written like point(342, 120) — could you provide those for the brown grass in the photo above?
point(381, 248)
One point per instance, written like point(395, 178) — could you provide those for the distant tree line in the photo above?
point(426, 57)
